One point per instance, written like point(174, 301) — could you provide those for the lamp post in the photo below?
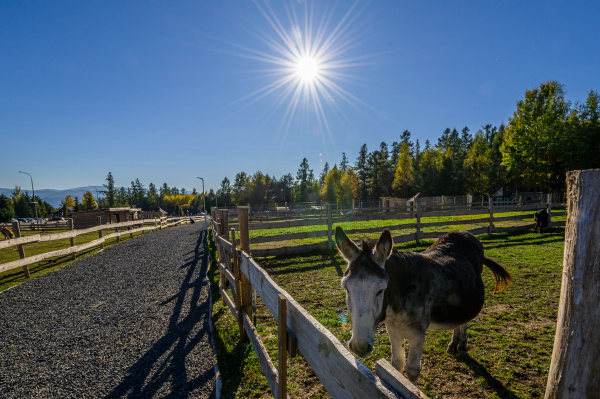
point(203, 201)
point(32, 189)
point(97, 196)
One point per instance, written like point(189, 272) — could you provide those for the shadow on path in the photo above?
point(165, 362)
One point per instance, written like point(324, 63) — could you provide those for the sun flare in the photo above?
point(307, 69)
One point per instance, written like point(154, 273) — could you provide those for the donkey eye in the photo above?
point(379, 293)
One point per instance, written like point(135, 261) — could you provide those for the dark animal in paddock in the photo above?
point(541, 220)
point(438, 289)
point(8, 233)
point(192, 221)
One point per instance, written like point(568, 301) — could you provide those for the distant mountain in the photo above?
point(54, 197)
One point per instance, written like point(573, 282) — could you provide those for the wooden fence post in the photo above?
point(282, 327)
point(418, 226)
point(329, 227)
point(238, 287)
point(100, 232)
point(72, 239)
point(491, 225)
point(549, 205)
point(575, 367)
point(16, 227)
point(246, 288)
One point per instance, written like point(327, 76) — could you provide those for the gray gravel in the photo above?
point(131, 321)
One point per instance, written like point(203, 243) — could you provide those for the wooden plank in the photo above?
point(404, 238)
point(226, 245)
point(575, 365)
point(290, 236)
point(19, 241)
point(261, 352)
point(227, 274)
point(397, 381)
point(288, 250)
point(282, 347)
point(455, 222)
point(342, 375)
point(36, 258)
point(229, 303)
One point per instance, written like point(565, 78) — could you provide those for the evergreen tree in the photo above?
point(110, 192)
point(344, 164)
point(304, 178)
point(362, 170)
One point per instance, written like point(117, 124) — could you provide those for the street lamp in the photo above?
point(97, 196)
point(203, 201)
point(32, 189)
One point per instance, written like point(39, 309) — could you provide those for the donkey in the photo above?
point(438, 289)
point(7, 233)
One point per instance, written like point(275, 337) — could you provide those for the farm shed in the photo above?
point(86, 219)
point(502, 196)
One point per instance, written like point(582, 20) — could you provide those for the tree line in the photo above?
point(546, 136)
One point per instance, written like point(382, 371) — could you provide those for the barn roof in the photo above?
point(502, 193)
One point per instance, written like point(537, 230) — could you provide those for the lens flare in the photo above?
point(310, 62)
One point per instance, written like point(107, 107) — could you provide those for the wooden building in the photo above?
point(87, 219)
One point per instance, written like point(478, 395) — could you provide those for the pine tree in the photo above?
point(110, 192)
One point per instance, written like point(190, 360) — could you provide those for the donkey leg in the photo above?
point(459, 339)
point(415, 351)
point(397, 340)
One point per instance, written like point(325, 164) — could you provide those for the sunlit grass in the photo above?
point(510, 342)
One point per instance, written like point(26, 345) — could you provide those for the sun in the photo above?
point(307, 69)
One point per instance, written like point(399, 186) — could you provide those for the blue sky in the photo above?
point(167, 91)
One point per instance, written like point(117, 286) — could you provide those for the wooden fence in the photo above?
point(40, 226)
point(491, 216)
point(342, 375)
point(25, 261)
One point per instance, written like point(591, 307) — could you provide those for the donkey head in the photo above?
point(365, 281)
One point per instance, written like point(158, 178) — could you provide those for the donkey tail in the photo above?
point(503, 278)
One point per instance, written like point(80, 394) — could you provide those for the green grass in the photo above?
point(16, 276)
point(510, 342)
point(396, 226)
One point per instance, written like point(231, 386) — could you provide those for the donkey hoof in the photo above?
point(451, 349)
point(413, 378)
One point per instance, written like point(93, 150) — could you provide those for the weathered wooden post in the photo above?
point(100, 232)
point(16, 228)
point(329, 227)
point(282, 366)
point(246, 288)
point(238, 284)
point(549, 210)
point(491, 225)
point(72, 239)
point(575, 366)
point(418, 226)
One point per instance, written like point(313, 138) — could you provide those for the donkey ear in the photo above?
point(347, 248)
point(383, 248)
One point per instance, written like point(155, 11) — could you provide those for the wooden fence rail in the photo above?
point(24, 261)
point(342, 375)
point(491, 221)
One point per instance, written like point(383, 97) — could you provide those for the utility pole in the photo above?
point(32, 189)
point(203, 201)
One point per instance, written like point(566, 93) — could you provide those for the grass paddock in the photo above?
point(510, 341)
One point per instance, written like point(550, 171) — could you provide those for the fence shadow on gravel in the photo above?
point(165, 362)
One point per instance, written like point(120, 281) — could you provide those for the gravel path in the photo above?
point(131, 321)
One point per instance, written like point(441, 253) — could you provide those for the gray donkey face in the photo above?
point(365, 281)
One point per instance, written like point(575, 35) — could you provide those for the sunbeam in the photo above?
point(310, 57)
